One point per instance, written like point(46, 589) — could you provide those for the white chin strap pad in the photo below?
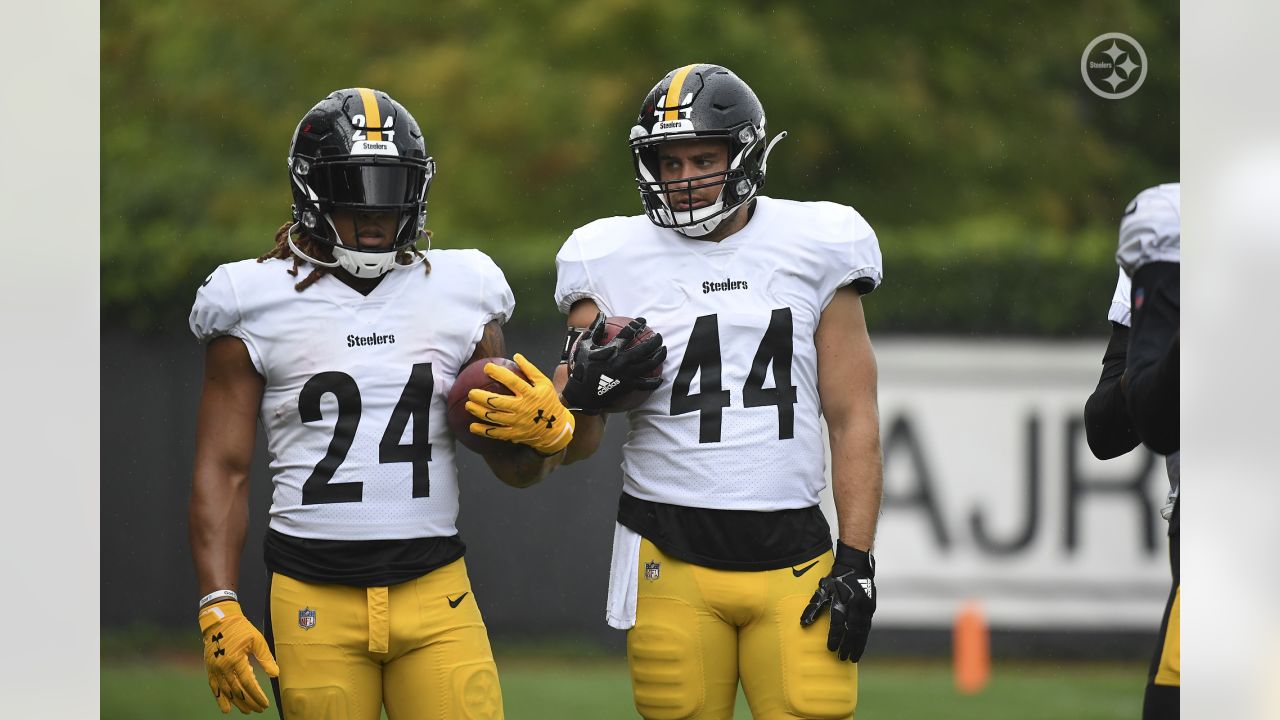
point(368, 264)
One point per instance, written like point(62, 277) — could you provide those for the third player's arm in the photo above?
point(225, 429)
point(847, 391)
point(589, 428)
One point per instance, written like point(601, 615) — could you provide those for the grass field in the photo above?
point(538, 689)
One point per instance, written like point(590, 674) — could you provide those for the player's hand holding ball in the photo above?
point(850, 590)
point(531, 415)
point(614, 366)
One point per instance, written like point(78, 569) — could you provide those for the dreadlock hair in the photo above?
point(321, 251)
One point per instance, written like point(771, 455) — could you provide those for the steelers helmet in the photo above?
point(700, 101)
point(359, 150)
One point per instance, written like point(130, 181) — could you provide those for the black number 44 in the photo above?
point(702, 358)
point(414, 403)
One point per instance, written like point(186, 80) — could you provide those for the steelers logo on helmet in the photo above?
point(700, 102)
point(358, 152)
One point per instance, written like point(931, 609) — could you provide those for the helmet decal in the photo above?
point(675, 104)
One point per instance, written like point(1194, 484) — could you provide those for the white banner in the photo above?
point(991, 493)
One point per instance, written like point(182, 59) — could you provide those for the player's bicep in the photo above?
point(493, 343)
point(846, 361)
point(226, 423)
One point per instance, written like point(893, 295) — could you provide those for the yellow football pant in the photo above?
point(699, 630)
point(420, 647)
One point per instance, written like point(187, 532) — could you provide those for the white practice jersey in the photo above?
point(354, 403)
point(736, 316)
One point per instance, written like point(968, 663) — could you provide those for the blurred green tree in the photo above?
point(962, 131)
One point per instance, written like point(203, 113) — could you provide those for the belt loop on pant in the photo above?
point(379, 620)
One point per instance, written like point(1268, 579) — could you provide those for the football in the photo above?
point(472, 376)
point(633, 399)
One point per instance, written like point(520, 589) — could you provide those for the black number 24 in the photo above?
point(702, 358)
point(415, 403)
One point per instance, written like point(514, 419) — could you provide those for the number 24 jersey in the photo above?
point(735, 423)
point(353, 404)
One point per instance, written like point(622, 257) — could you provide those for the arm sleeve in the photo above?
point(1106, 418)
point(1153, 363)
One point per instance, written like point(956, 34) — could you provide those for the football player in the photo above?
point(723, 566)
point(1136, 399)
point(343, 341)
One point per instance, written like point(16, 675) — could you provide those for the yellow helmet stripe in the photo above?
point(672, 98)
point(372, 118)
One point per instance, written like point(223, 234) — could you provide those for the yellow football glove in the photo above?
point(229, 639)
point(534, 416)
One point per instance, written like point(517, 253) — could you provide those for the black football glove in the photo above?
point(599, 372)
point(850, 589)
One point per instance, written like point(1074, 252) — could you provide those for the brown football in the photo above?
point(472, 376)
point(633, 399)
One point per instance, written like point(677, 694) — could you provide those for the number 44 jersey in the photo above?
point(354, 398)
point(735, 423)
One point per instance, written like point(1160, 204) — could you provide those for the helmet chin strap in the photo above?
point(358, 263)
point(706, 227)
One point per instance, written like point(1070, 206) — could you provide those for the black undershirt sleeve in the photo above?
point(1106, 419)
point(1153, 365)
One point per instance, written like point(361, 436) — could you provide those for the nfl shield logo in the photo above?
point(306, 618)
point(651, 570)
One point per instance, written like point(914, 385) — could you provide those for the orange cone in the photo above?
point(971, 647)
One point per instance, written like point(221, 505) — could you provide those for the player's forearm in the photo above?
point(587, 434)
point(218, 519)
point(857, 480)
point(524, 468)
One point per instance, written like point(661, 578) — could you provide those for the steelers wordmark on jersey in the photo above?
point(353, 405)
point(736, 421)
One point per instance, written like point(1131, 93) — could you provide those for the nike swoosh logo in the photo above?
point(804, 569)
point(454, 603)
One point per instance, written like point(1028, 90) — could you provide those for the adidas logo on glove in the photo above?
point(606, 384)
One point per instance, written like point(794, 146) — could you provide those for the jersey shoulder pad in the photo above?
point(848, 248)
point(496, 300)
point(217, 309)
point(587, 253)
point(1151, 228)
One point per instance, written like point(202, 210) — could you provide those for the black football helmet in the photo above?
point(359, 150)
point(700, 101)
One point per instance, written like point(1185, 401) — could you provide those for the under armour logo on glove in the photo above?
point(527, 416)
point(230, 640)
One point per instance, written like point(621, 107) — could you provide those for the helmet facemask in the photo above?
point(700, 102)
point(361, 185)
point(359, 152)
point(737, 185)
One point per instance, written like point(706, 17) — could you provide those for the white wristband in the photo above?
point(216, 596)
